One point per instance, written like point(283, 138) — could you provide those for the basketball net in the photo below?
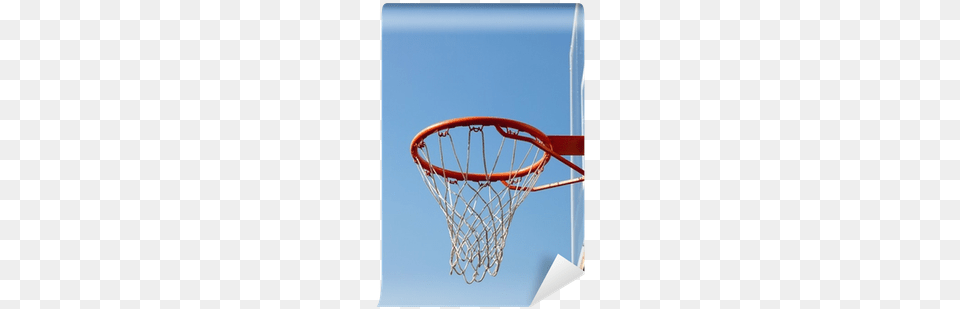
point(478, 213)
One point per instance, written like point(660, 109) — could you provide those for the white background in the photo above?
point(741, 154)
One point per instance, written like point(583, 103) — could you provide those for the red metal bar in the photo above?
point(552, 153)
point(546, 186)
point(567, 145)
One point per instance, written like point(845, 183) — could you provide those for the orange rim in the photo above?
point(544, 143)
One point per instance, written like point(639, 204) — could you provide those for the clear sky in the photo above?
point(450, 61)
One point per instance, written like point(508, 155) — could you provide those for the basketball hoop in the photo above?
point(479, 200)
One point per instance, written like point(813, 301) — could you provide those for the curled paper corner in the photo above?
point(561, 274)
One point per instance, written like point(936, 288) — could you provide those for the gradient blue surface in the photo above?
point(443, 61)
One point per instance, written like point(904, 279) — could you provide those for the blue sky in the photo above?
point(449, 61)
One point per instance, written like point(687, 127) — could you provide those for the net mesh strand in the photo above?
point(478, 213)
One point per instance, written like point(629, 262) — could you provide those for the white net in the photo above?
point(478, 212)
